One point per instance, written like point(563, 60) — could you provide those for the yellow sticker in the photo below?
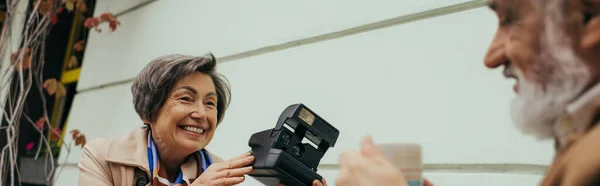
point(306, 116)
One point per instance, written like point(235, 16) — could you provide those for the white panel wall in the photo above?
point(420, 82)
point(411, 83)
point(223, 27)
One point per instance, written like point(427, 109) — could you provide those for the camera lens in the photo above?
point(285, 138)
point(298, 150)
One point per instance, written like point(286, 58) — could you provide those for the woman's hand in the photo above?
point(226, 173)
point(314, 183)
point(320, 183)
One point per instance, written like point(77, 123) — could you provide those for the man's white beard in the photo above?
point(534, 111)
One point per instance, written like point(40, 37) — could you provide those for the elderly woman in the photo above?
point(181, 100)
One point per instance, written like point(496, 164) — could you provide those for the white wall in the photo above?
point(418, 82)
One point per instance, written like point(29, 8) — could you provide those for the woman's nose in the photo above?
point(199, 113)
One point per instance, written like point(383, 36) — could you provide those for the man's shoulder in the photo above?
point(576, 159)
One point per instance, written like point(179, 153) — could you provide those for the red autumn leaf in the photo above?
point(107, 17)
point(55, 134)
point(72, 62)
point(113, 23)
point(80, 140)
point(44, 7)
point(55, 18)
point(14, 59)
point(40, 123)
point(75, 133)
point(78, 137)
point(50, 86)
point(78, 47)
point(54, 87)
point(92, 22)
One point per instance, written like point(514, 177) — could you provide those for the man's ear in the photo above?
point(591, 33)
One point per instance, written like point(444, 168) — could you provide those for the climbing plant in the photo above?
point(24, 76)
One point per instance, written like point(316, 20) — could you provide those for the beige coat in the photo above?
point(122, 161)
point(577, 160)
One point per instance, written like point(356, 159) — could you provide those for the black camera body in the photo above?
point(281, 155)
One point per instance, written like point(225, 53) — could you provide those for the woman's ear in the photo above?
point(591, 32)
point(145, 121)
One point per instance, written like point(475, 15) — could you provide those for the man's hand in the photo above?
point(368, 167)
point(314, 183)
point(226, 173)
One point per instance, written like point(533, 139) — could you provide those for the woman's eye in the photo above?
point(186, 99)
point(211, 103)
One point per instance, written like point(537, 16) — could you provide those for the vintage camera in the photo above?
point(291, 152)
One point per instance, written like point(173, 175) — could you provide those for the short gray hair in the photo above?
point(153, 84)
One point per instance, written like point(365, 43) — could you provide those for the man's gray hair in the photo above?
point(153, 84)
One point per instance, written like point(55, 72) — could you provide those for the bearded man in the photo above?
point(552, 49)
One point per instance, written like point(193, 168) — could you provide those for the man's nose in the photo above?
point(496, 54)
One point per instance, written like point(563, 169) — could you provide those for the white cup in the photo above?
point(408, 158)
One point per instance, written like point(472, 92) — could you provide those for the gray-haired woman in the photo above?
point(181, 100)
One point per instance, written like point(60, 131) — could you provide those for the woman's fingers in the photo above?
point(229, 181)
point(246, 154)
point(230, 172)
point(234, 163)
point(233, 172)
point(317, 183)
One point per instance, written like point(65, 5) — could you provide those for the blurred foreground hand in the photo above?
point(369, 166)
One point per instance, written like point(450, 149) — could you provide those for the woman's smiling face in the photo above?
point(188, 118)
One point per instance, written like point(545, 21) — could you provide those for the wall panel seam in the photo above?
point(328, 36)
point(437, 12)
point(131, 9)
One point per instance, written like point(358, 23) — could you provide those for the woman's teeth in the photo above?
point(194, 129)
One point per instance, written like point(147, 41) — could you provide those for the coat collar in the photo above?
point(579, 116)
point(132, 150)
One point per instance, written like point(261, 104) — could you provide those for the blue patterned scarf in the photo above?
point(159, 177)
